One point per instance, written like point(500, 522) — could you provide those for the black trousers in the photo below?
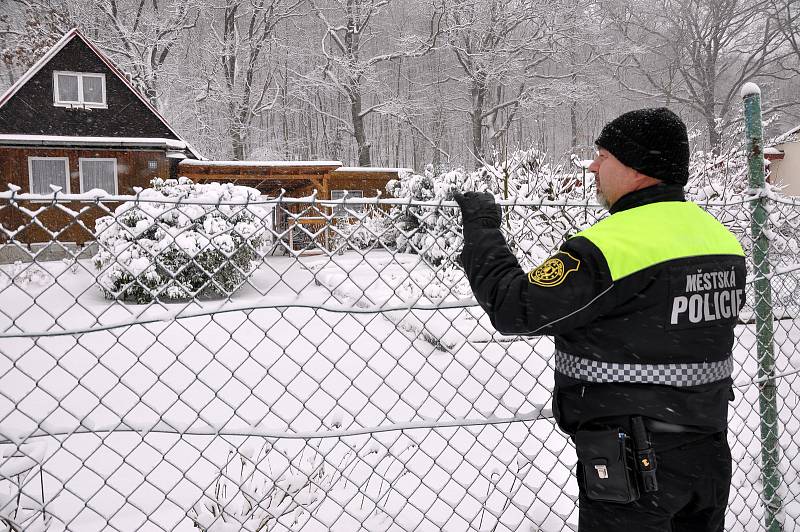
point(694, 479)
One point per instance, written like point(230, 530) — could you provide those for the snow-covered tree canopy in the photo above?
point(202, 241)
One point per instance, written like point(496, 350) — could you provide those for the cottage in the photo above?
point(784, 161)
point(74, 121)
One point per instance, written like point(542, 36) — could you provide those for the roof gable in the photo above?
point(27, 107)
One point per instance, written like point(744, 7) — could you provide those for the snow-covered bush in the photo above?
point(151, 249)
point(528, 176)
point(370, 230)
point(535, 231)
point(719, 175)
point(718, 181)
point(427, 230)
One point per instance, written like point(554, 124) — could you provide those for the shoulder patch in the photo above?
point(554, 270)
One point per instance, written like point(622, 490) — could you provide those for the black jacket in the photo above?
point(615, 325)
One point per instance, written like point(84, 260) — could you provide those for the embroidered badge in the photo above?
point(554, 270)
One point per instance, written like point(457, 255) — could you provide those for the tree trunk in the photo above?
point(713, 134)
point(573, 120)
point(710, 115)
point(397, 143)
point(312, 144)
point(285, 130)
point(285, 107)
point(10, 73)
point(476, 119)
point(236, 132)
point(152, 96)
point(358, 131)
point(237, 143)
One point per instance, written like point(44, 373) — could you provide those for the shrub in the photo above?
point(150, 249)
point(370, 230)
point(427, 230)
point(533, 233)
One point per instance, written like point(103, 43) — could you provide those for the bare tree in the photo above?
point(243, 35)
point(499, 46)
point(352, 57)
point(140, 35)
point(697, 53)
point(585, 47)
point(28, 28)
point(787, 17)
point(374, 81)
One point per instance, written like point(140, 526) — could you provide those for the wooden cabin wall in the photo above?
point(132, 171)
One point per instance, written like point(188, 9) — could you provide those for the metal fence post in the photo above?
point(770, 474)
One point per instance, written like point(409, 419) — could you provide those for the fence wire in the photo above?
point(293, 364)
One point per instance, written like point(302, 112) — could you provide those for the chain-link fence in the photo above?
point(283, 364)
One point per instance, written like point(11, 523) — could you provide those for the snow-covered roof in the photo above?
point(69, 36)
point(772, 151)
point(375, 169)
point(790, 136)
point(59, 140)
point(266, 164)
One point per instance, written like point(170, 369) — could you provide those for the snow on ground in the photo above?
point(170, 400)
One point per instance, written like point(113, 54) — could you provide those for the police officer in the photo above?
point(642, 307)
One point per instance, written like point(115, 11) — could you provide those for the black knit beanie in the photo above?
point(652, 141)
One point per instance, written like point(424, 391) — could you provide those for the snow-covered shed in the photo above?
point(784, 161)
point(296, 178)
point(74, 121)
point(329, 179)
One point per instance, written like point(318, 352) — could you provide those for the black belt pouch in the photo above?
point(606, 457)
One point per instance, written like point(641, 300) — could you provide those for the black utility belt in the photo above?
point(616, 466)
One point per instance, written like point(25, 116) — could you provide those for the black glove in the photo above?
point(479, 208)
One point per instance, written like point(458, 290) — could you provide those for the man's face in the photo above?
point(612, 178)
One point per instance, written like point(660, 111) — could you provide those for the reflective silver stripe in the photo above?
point(671, 374)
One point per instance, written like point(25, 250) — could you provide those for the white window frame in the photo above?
point(116, 172)
point(30, 171)
point(79, 103)
point(358, 208)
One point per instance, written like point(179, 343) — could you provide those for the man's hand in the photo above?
point(479, 208)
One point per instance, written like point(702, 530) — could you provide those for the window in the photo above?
point(80, 89)
point(46, 171)
point(339, 194)
point(99, 173)
point(152, 165)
